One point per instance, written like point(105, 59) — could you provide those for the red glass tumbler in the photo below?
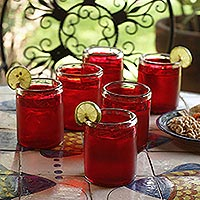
point(81, 82)
point(110, 148)
point(131, 96)
point(40, 114)
point(109, 58)
point(164, 79)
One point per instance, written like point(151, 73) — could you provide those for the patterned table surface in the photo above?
point(168, 169)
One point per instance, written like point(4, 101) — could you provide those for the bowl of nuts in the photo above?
point(182, 124)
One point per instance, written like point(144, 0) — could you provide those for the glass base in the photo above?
point(110, 184)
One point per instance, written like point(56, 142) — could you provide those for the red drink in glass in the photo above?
point(81, 82)
point(131, 96)
point(110, 148)
point(109, 58)
point(40, 114)
point(164, 79)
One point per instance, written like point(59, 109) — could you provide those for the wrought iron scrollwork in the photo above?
point(87, 23)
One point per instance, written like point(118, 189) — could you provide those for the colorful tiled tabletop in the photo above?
point(168, 169)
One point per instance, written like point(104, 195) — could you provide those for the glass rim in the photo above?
point(144, 56)
point(111, 51)
point(56, 87)
point(145, 94)
point(98, 73)
point(133, 117)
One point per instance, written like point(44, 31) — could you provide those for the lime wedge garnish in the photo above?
point(87, 111)
point(18, 76)
point(181, 54)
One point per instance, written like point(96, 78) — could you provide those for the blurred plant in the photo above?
point(191, 20)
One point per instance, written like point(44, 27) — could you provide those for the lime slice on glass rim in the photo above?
point(181, 54)
point(18, 76)
point(87, 112)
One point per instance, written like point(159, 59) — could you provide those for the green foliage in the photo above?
point(190, 12)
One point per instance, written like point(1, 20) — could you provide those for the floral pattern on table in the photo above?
point(180, 183)
point(71, 145)
point(13, 184)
